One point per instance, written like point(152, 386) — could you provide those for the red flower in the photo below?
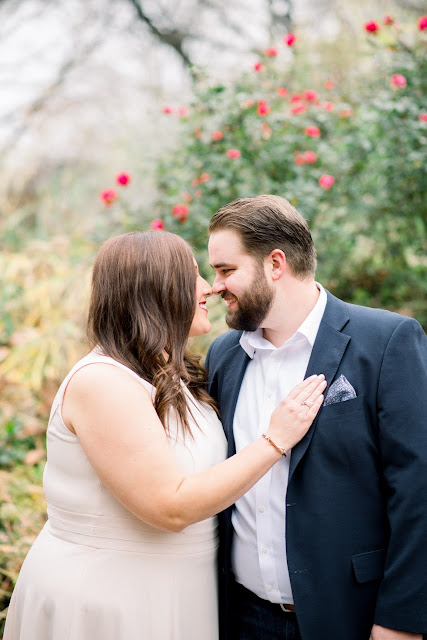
point(258, 66)
point(157, 225)
point(328, 106)
point(271, 52)
point(329, 84)
point(282, 92)
point(217, 135)
point(313, 132)
point(310, 95)
point(299, 158)
point(108, 196)
point(388, 20)
point(423, 117)
point(289, 39)
point(372, 26)
point(295, 97)
point(180, 212)
point(422, 23)
point(299, 107)
point(326, 181)
point(263, 109)
point(398, 81)
point(233, 153)
point(205, 177)
point(123, 179)
point(167, 109)
point(182, 112)
point(310, 157)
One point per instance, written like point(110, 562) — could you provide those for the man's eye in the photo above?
point(225, 271)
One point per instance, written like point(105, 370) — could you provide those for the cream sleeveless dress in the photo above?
point(96, 572)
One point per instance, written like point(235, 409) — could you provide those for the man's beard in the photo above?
point(252, 306)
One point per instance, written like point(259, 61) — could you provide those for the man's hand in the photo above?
point(382, 633)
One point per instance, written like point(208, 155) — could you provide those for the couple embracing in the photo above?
point(320, 479)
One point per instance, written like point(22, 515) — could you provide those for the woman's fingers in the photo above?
point(305, 387)
point(315, 393)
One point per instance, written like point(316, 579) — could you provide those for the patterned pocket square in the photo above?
point(340, 391)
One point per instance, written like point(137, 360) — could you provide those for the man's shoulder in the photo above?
point(225, 341)
point(384, 320)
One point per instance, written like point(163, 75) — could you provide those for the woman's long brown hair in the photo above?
point(142, 305)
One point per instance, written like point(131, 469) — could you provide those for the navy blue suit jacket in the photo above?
point(356, 501)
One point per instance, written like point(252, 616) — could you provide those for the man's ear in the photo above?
point(278, 263)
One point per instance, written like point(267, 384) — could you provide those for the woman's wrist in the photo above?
point(278, 447)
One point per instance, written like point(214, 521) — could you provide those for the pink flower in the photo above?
point(326, 181)
point(182, 112)
point(422, 23)
point(167, 109)
point(180, 212)
point(123, 179)
point(262, 109)
point(299, 107)
point(157, 225)
point(398, 81)
point(108, 196)
point(328, 106)
point(388, 20)
point(329, 84)
point(346, 113)
point(233, 153)
point(282, 92)
point(313, 132)
point(423, 117)
point(310, 95)
point(372, 26)
point(248, 104)
point(258, 66)
point(298, 158)
point(310, 157)
point(289, 39)
point(217, 135)
point(271, 52)
point(266, 130)
point(295, 97)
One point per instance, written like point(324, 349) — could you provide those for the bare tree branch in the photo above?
point(171, 37)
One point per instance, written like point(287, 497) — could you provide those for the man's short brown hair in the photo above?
point(268, 222)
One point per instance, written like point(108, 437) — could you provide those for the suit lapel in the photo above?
point(235, 368)
point(327, 353)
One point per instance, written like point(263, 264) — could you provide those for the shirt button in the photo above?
point(261, 509)
point(269, 395)
point(265, 549)
point(269, 587)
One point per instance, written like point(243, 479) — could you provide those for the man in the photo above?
point(332, 543)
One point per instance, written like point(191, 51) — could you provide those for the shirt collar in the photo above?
point(250, 341)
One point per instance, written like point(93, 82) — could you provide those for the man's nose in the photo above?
point(218, 285)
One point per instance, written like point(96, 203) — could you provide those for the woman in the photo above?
point(136, 465)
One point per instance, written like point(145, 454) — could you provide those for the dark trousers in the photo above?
point(253, 618)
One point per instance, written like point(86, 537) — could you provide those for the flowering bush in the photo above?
point(350, 157)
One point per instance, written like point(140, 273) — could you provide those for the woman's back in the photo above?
point(116, 573)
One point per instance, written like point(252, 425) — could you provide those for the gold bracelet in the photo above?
point(276, 446)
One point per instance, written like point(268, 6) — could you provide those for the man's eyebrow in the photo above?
point(221, 265)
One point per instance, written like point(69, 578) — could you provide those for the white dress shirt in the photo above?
point(259, 519)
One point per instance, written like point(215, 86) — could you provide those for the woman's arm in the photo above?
point(120, 432)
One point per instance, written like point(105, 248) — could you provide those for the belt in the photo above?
point(287, 608)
